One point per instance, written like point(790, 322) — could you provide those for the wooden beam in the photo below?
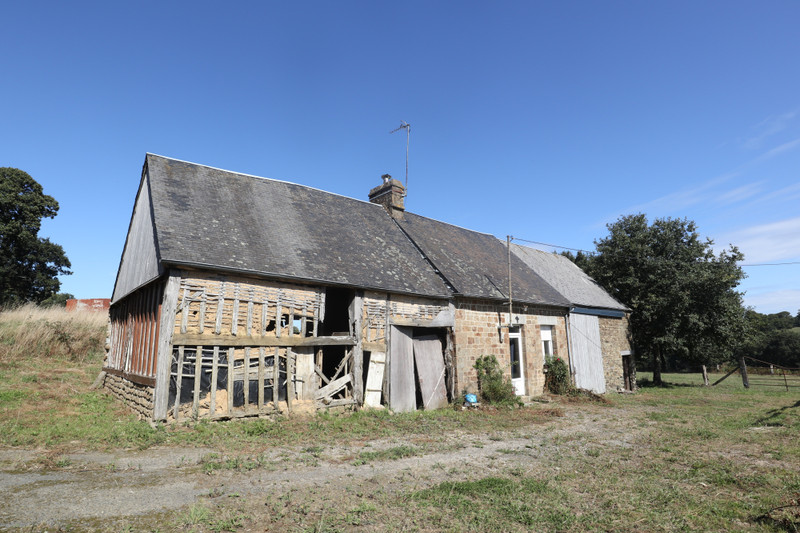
point(356, 315)
point(373, 346)
point(333, 387)
point(169, 303)
point(242, 341)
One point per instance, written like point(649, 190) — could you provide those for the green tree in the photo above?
point(29, 265)
point(683, 297)
point(57, 300)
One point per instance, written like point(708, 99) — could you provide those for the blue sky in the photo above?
point(545, 121)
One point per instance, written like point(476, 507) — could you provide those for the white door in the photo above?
point(517, 361)
point(587, 354)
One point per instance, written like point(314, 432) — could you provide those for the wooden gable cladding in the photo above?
point(133, 335)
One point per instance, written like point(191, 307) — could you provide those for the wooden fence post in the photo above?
point(743, 368)
point(705, 376)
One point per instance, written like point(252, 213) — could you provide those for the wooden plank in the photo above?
point(230, 380)
point(335, 403)
point(166, 329)
point(289, 380)
point(178, 383)
point(190, 339)
point(264, 309)
point(445, 318)
point(212, 406)
point(185, 310)
point(220, 309)
point(316, 321)
point(198, 372)
point(260, 379)
point(141, 380)
point(304, 322)
point(356, 315)
point(341, 366)
point(333, 387)
point(374, 347)
point(250, 314)
point(304, 373)
point(201, 317)
point(403, 396)
point(276, 378)
point(149, 323)
point(278, 318)
point(235, 315)
point(377, 364)
point(246, 379)
point(430, 370)
point(319, 372)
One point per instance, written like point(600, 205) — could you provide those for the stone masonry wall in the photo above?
point(614, 340)
point(138, 397)
point(477, 333)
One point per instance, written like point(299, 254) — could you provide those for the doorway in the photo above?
point(517, 360)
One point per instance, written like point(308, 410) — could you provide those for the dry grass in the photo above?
point(32, 331)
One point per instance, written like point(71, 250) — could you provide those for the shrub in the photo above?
point(492, 385)
point(558, 380)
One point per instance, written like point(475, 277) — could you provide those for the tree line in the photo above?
point(686, 309)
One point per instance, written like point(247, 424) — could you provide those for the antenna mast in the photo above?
point(405, 125)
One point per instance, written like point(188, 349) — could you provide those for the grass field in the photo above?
point(677, 458)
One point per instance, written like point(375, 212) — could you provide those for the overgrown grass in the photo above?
point(46, 401)
point(37, 332)
point(692, 459)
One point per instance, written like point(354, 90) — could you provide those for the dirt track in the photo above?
point(95, 490)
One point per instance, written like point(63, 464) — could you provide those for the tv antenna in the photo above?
point(406, 126)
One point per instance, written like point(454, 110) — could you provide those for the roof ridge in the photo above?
point(246, 175)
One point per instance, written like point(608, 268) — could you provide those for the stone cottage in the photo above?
point(243, 296)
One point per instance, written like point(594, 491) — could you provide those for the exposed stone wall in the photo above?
point(478, 332)
point(138, 397)
point(614, 340)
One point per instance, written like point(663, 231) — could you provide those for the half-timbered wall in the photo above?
point(243, 346)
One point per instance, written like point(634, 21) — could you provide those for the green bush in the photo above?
point(558, 380)
point(492, 385)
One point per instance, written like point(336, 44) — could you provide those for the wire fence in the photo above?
point(777, 376)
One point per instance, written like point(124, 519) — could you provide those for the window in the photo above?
point(547, 341)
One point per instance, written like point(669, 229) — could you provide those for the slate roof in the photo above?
point(213, 218)
point(476, 264)
point(567, 278)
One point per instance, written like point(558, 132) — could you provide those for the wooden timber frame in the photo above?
point(216, 346)
point(244, 347)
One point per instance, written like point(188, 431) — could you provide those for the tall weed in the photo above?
point(30, 331)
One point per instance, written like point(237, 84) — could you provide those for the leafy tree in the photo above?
point(783, 348)
point(57, 300)
point(581, 259)
point(29, 264)
point(683, 297)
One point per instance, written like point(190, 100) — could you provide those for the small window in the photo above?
point(547, 341)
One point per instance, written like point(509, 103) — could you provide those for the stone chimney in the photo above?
point(390, 194)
